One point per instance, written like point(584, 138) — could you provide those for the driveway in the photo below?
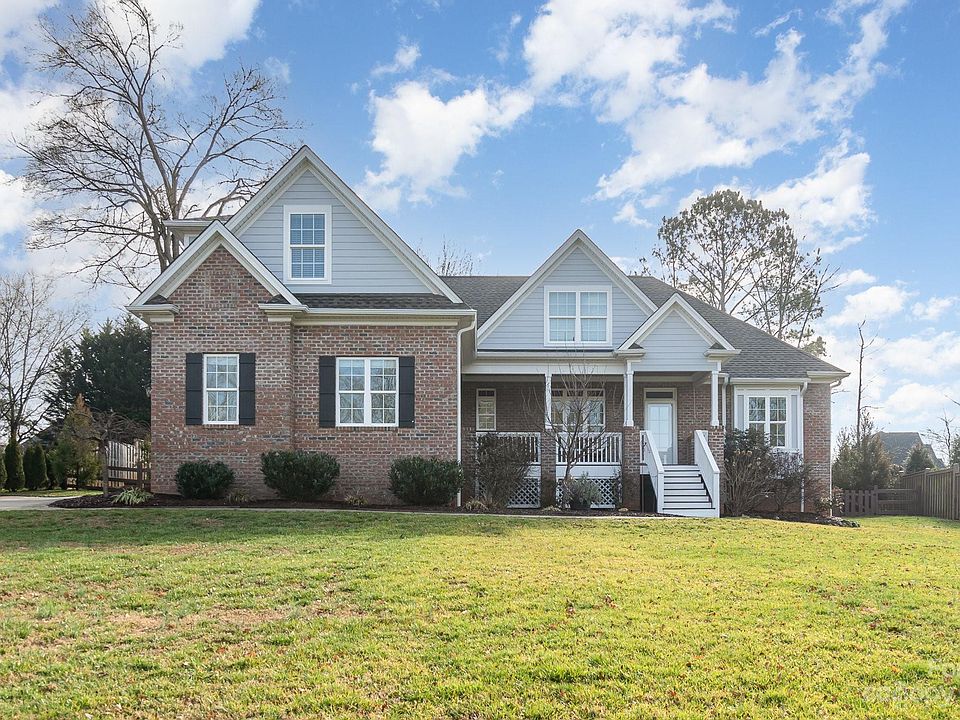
point(26, 502)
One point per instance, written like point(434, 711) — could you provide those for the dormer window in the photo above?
point(577, 316)
point(307, 240)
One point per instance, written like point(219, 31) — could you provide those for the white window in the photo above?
point(486, 409)
point(583, 408)
point(577, 316)
point(307, 242)
point(367, 391)
point(221, 389)
point(768, 413)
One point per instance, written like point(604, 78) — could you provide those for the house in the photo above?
point(304, 322)
point(899, 444)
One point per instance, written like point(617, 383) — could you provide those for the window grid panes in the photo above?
point(768, 414)
point(486, 410)
point(221, 381)
point(570, 407)
point(577, 316)
point(308, 245)
point(367, 391)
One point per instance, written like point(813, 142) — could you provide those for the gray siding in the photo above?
point(523, 328)
point(360, 262)
point(674, 345)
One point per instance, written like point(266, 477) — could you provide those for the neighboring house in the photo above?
point(304, 322)
point(899, 444)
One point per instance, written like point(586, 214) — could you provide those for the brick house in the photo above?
point(304, 322)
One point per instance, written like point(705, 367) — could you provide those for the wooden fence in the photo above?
point(125, 464)
point(938, 492)
point(880, 501)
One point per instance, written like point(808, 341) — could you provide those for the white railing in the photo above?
point(591, 448)
point(530, 441)
point(650, 456)
point(709, 470)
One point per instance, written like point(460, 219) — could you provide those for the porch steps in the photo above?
point(684, 493)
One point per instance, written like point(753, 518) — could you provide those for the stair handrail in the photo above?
point(654, 467)
point(709, 470)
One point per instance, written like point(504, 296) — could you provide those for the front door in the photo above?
point(660, 422)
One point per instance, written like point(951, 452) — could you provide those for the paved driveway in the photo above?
point(25, 502)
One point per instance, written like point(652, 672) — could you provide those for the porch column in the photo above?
point(547, 400)
point(714, 398)
point(628, 397)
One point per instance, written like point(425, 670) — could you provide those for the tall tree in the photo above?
point(109, 367)
point(863, 463)
point(33, 328)
point(119, 160)
point(744, 259)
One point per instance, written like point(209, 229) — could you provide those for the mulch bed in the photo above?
point(807, 517)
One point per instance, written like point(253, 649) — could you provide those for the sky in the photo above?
point(503, 126)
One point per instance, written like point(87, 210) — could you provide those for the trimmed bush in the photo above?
point(299, 475)
point(203, 480)
point(425, 481)
point(35, 467)
point(581, 493)
point(13, 463)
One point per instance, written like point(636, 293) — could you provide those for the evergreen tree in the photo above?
point(35, 467)
point(862, 462)
point(954, 458)
point(75, 451)
point(918, 460)
point(13, 462)
point(3, 476)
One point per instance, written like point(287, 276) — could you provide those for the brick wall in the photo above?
point(218, 312)
point(816, 442)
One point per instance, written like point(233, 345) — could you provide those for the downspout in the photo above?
point(460, 332)
point(803, 489)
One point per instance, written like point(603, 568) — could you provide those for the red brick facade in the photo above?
point(218, 311)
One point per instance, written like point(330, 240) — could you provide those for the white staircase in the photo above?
point(684, 492)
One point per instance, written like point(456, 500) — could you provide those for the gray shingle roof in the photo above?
point(761, 356)
point(379, 301)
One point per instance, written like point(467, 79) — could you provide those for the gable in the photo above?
point(360, 260)
point(522, 327)
point(675, 344)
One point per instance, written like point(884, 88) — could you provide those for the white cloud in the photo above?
point(879, 302)
point(16, 205)
point(934, 308)
point(502, 50)
point(17, 18)
point(854, 277)
point(277, 69)
point(630, 265)
point(930, 355)
point(628, 214)
point(404, 59)
point(774, 24)
point(422, 137)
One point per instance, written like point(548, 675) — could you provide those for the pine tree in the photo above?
point(76, 448)
point(35, 467)
point(918, 460)
point(14, 466)
point(862, 462)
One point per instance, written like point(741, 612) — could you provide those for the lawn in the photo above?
point(226, 614)
point(48, 493)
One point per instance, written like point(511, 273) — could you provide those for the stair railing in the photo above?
point(709, 471)
point(651, 457)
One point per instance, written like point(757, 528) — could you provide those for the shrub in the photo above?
point(35, 467)
point(581, 493)
point(13, 463)
point(237, 497)
point(203, 480)
point(3, 475)
point(790, 474)
point(425, 481)
point(298, 475)
point(748, 468)
point(502, 465)
point(474, 505)
point(132, 496)
point(355, 500)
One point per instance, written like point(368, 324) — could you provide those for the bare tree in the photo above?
point(118, 160)
point(948, 438)
point(450, 260)
point(865, 346)
point(32, 330)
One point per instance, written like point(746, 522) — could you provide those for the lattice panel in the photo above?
point(526, 496)
point(609, 493)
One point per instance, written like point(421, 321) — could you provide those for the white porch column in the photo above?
point(714, 397)
point(547, 400)
point(628, 397)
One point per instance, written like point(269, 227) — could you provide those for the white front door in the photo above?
point(660, 422)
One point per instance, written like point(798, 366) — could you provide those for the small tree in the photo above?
point(13, 461)
point(3, 475)
point(503, 462)
point(918, 460)
point(790, 475)
point(861, 463)
point(748, 469)
point(35, 467)
point(76, 447)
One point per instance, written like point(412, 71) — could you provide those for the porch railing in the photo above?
point(709, 470)
point(529, 441)
point(591, 448)
point(650, 456)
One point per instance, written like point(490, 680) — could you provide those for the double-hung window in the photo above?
point(367, 391)
point(221, 389)
point(577, 316)
point(768, 414)
point(307, 241)
point(486, 409)
point(578, 409)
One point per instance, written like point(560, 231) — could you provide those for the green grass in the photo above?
point(48, 493)
point(228, 614)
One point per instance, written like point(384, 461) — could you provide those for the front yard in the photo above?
point(224, 614)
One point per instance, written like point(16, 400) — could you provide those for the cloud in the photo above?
point(277, 69)
point(774, 24)
point(404, 59)
point(877, 303)
point(850, 278)
point(17, 18)
point(630, 265)
point(628, 214)
point(16, 205)
point(423, 137)
point(932, 309)
point(502, 51)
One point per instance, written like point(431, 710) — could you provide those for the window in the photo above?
point(768, 413)
point(486, 409)
point(221, 389)
point(578, 316)
point(307, 243)
point(367, 391)
point(571, 407)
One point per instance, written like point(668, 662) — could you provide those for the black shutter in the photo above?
point(194, 385)
point(406, 387)
point(328, 389)
point(247, 411)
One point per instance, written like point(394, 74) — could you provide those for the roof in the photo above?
point(899, 444)
point(379, 301)
point(762, 356)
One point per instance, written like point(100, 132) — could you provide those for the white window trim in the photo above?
point(494, 396)
point(741, 417)
point(327, 212)
point(367, 394)
point(578, 289)
point(560, 393)
point(206, 419)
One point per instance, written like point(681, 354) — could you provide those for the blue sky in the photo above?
point(503, 126)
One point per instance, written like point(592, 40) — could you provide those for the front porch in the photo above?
point(654, 442)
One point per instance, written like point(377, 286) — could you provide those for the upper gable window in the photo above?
point(307, 241)
point(577, 316)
